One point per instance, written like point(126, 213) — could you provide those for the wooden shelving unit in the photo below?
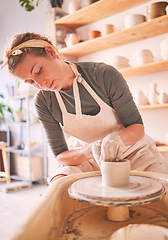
point(96, 11)
point(140, 31)
point(162, 148)
point(157, 106)
point(145, 69)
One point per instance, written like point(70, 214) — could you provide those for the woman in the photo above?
point(86, 100)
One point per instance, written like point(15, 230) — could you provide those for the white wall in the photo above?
point(156, 121)
point(14, 20)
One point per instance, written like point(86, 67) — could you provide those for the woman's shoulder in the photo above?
point(43, 96)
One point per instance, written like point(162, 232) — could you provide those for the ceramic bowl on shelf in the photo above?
point(94, 34)
point(156, 9)
point(167, 10)
point(107, 29)
point(73, 6)
point(88, 2)
point(134, 19)
point(143, 56)
point(120, 62)
point(71, 39)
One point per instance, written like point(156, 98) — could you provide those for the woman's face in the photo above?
point(43, 72)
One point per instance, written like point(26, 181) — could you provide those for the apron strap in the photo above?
point(77, 99)
point(80, 79)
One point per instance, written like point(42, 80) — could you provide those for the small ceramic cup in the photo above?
point(107, 29)
point(143, 56)
point(115, 174)
point(134, 19)
point(94, 34)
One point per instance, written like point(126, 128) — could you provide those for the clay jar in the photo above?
point(71, 39)
point(134, 19)
point(94, 34)
point(153, 94)
point(88, 2)
point(119, 62)
point(156, 9)
point(143, 56)
point(140, 98)
point(107, 29)
point(163, 98)
point(115, 174)
point(73, 6)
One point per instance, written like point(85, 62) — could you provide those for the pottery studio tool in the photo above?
point(141, 190)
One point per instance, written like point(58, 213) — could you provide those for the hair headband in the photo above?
point(30, 43)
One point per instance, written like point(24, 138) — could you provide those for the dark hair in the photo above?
point(13, 60)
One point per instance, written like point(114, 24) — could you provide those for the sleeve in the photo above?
point(120, 97)
point(52, 128)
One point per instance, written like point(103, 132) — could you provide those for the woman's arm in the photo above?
point(75, 157)
point(132, 134)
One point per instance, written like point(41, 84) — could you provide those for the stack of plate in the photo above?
point(120, 62)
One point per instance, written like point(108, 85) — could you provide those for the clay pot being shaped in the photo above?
point(115, 174)
point(164, 49)
point(153, 94)
point(73, 6)
point(143, 56)
point(71, 39)
point(134, 19)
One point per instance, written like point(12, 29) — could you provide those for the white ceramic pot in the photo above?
point(73, 6)
point(143, 56)
point(115, 174)
point(119, 61)
point(163, 98)
point(140, 98)
point(164, 49)
point(167, 10)
point(107, 29)
point(134, 19)
point(71, 39)
point(153, 94)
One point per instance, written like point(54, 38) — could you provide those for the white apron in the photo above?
point(92, 128)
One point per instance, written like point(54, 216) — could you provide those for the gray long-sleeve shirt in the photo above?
point(107, 83)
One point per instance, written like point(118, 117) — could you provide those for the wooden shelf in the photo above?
point(96, 11)
point(162, 148)
point(145, 69)
point(157, 106)
point(140, 31)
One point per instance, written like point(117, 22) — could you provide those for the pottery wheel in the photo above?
point(141, 190)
